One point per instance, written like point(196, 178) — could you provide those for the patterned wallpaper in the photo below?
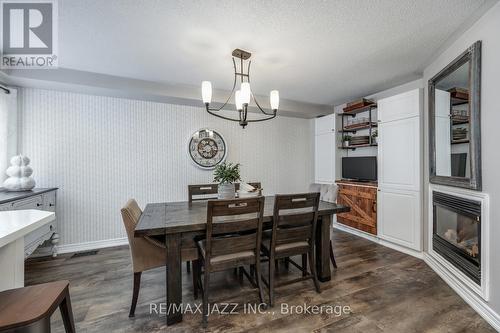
point(100, 151)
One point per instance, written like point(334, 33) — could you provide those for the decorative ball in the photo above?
point(19, 175)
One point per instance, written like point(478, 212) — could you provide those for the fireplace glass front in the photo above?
point(457, 232)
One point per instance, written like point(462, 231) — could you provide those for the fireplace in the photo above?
point(457, 232)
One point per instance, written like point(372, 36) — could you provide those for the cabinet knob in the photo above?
point(51, 205)
point(38, 204)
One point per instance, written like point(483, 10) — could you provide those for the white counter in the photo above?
point(14, 225)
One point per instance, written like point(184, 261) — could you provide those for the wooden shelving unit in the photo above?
point(458, 99)
point(369, 125)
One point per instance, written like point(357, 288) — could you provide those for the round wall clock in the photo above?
point(207, 148)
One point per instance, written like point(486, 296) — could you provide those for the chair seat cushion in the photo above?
point(226, 257)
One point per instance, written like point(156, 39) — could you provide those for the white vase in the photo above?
point(226, 191)
point(19, 175)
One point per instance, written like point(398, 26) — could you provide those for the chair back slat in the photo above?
point(295, 234)
point(225, 218)
point(234, 207)
point(227, 245)
point(294, 219)
point(295, 201)
point(225, 226)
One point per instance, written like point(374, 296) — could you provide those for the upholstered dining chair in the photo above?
point(293, 233)
point(233, 239)
point(146, 253)
point(328, 193)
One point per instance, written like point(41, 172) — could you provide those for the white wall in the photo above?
point(100, 151)
point(486, 29)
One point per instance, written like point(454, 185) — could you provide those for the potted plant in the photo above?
point(374, 137)
point(346, 139)
point(226, 174)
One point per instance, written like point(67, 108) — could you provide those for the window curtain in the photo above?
point(8, 130)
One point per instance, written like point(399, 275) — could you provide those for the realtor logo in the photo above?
point(29, 34)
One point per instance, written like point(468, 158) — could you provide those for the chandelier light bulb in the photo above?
point(206, 92)
point(274, 98)
point(237, 100)
point(245, 93)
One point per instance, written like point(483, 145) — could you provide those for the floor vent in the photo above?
point(84, 254)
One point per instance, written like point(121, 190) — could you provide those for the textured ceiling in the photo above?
point(314, 51)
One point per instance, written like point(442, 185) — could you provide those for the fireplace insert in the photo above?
point(457, 232)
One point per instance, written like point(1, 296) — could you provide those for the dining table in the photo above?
point(180, 222)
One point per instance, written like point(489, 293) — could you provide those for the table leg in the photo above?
point(323, 248)
point(174, 279)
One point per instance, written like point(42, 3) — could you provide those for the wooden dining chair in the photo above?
point(202, 192)
point(233, 239)
point(29, 309)
point(293, 233)
point(146, 252)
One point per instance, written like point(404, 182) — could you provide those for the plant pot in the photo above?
point(346, 143)
point(226, 191)
point(374, 140)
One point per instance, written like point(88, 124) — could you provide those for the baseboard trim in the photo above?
point(101, 244)
point(378, 240)
point(470, 297)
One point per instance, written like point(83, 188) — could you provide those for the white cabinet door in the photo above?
point(399, 154)
point(401, 106)
point(324, 124)
point(399, 217)
point(324, 158)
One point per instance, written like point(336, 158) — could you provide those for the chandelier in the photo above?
point(242, 96)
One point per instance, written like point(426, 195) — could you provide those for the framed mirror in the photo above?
point(454, 122)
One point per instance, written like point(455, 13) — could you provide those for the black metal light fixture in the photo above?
point(242, 96)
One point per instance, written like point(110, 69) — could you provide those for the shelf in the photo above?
point(458, 101)
point(457, 142)
point(354, 129)
point(359, 146)
point(459, 120)
point(359, 110)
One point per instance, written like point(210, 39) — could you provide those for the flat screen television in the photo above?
point(360, 168)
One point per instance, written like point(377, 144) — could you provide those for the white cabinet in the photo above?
point(399, 154)
point(399, 217)
point(325, 124)
point(399, 169)
point(40, 199)
point(324, 149)
point(400, 106)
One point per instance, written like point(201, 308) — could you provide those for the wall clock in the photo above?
point(207, 148)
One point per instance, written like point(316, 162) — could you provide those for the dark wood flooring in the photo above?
point(387, 291)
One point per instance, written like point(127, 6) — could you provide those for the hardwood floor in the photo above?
point(387, 291)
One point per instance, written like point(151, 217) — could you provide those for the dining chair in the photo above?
point(199, 192)
point(233, 239)
point(293, 233)
point(328, 193)
point(146, 252)
point(29, 309)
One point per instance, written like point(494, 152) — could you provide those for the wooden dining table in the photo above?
point(180, 222)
